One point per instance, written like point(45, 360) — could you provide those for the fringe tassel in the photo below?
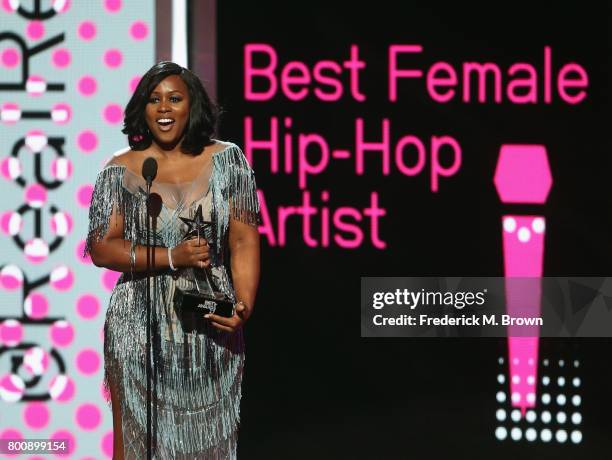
point(234, 195)
point(199, 375)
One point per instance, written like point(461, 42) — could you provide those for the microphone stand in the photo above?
point(149, 171)
point(148, 302)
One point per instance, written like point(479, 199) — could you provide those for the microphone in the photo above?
point(154, 205)
point(149, 169)
point(149, 172)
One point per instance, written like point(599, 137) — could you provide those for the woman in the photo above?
point(197, 370)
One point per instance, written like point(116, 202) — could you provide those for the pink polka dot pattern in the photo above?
point(11, 277)
point(86, 30)
point(64, 7)
point(62, 278)
point(79, 253)
point(61, 388)
point(61, 58)
point(88, 416)
point(87, 85)
point(36, 250)
point(139, 30)
point(36, 415)
point(10, 57)
point(84, 195)
point(11, 433)
point(35, 30)
point(9, 6)
point(12, 388)
point(113, 58)
point(106, 444)
point(11, 332)
point(87, 361)
point(113, 114)
point(109, 279)
point(112, 6)
point(87, 141)
point(61, 168)
point(35, 195)
point(104, 392)
point(61, 333)
point(88, 306)
point(36, 305)
point(67, 435)
point(134, 83)
point(61, 113)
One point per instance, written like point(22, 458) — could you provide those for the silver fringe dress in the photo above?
point(197, 372)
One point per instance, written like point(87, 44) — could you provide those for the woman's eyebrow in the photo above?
point(169, 92)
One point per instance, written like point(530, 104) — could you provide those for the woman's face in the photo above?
point(167, 111)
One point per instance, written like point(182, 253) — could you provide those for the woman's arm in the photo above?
point(114, 252)
point(244, 251)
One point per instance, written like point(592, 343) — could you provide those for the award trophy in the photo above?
point(205, 297)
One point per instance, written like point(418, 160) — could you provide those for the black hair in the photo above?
point(203, 112)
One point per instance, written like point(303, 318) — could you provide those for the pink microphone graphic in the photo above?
point(523, 176)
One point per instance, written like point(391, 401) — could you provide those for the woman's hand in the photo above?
point(230, 324)
point(190, 254)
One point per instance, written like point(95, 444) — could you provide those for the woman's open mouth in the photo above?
point(165, 124)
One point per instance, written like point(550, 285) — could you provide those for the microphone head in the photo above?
point(154, 204)
point(149, 169)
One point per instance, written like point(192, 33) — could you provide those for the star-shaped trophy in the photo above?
point(205, 297)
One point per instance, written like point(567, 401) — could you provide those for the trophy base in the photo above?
point(191, 306)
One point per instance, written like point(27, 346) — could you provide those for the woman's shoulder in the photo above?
point(222, 146)
point(229, 151)
point(126, 157)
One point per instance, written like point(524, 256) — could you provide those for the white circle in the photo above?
point(501, 378)
point(501, 396)
point(576, 400)
point(501, 433)
point(576, 437)
point(561, 418)
point(516, 433)
point(545, 362)
point(576, 418)
point(538, 225)
point(561, 363)
point(576, 363)
point(531, 434)
point(531, 397)
point(546, 418)
point(516, 379)
point(545, 380)
point(561, 399)
point(561, 436)
point(515, 415)
point(530, 416)
point(546, 435)
point(516, 397)
point(576, 381)
point(546, 398)
point(500, 415)
point(530, 380)
point(524, 235)
point(509, 224)
point(561, 381)
point(500, 360)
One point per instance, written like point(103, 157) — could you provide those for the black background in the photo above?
point(313, 388)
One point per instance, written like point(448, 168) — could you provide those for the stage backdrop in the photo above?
point(389, 139)
point(68, 68)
